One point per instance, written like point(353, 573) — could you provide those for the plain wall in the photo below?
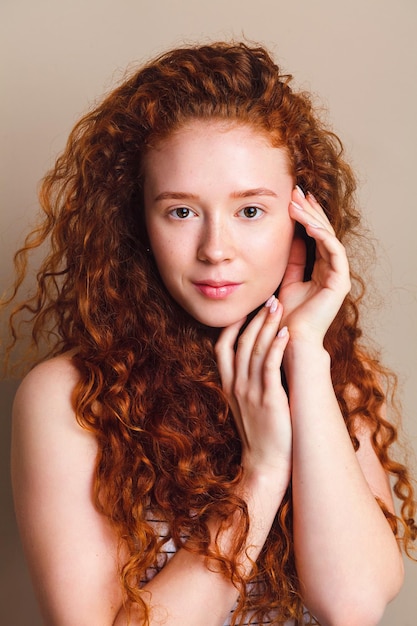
point(360, 57)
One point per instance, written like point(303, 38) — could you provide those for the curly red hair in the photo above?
point(149, 387)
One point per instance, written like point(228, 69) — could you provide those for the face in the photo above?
point(216, 209)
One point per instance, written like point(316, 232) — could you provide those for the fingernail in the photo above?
point(269, 301)
point(297, 206)
point(283, 332)
point(314, 225)
point(273, 306)
point(311, 196)
point(300, 191)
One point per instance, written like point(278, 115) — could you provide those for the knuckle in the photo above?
point(240, 388)
point(272, 367)
point(252, 395)
point(237, 388)
point(257, 349)
point(242, 341)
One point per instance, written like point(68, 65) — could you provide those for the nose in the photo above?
point(215, 245)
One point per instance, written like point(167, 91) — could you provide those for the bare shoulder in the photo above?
point(48, 383)
point(70, 547)
point(44, 399)
point(45, 431)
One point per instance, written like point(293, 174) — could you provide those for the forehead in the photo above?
point(196, 141)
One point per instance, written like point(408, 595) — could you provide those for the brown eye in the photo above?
point(182, 212)
point(251, 212)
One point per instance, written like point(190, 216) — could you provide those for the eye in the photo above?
point(182, 213)
point(251, 212)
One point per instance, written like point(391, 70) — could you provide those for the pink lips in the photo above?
point(216, 291)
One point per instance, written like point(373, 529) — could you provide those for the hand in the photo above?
point(310, 307)
point(251, 379)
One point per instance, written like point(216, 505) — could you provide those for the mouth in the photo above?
point(216, 290)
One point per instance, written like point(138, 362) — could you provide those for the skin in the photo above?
point(347, 557)
point(216, 208)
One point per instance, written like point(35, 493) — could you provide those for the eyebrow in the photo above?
point(247, 193)
point(175, 195)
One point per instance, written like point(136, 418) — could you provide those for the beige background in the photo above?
point(359, 56)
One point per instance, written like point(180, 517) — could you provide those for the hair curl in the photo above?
point(149, 388)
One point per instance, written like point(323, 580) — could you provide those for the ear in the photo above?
point(296, 262)
point(310, 250)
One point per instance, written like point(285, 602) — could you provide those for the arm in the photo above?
point(346, 554)
point(72, 551)
point(347, 557)
point(185, 588)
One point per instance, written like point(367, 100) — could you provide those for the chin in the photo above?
point(215, 323)
point(222, 321)
point(222, 314)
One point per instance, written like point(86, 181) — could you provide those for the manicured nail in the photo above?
point(269, 301)
point(300, 191)
point(314, 225)
point(274, 306)
point(311, 196)
point(297, 206)
point(283, 332)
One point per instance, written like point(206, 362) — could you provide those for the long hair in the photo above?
point(149, 388)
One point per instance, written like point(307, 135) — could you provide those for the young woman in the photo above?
point(208, 444)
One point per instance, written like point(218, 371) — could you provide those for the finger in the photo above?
point(308, 211)
point(316, 206)
point(264, 340)
point(246, 343)
point(308, 217)
point(273, 361)
point(329, 248)
point(225, 354)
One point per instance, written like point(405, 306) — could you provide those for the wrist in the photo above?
point(309, 347)
point(268, 481)
point(305, 357)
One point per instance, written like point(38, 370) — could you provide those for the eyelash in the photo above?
point(174, 213)
point(259, 213)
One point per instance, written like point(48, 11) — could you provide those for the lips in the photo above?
point(216, 290)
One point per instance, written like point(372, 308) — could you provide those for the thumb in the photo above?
point(296, 263)
point(225, 354)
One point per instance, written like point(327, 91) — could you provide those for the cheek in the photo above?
point(161, 245)
point(169, 259)
point(280, 245)
point(164, 259)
